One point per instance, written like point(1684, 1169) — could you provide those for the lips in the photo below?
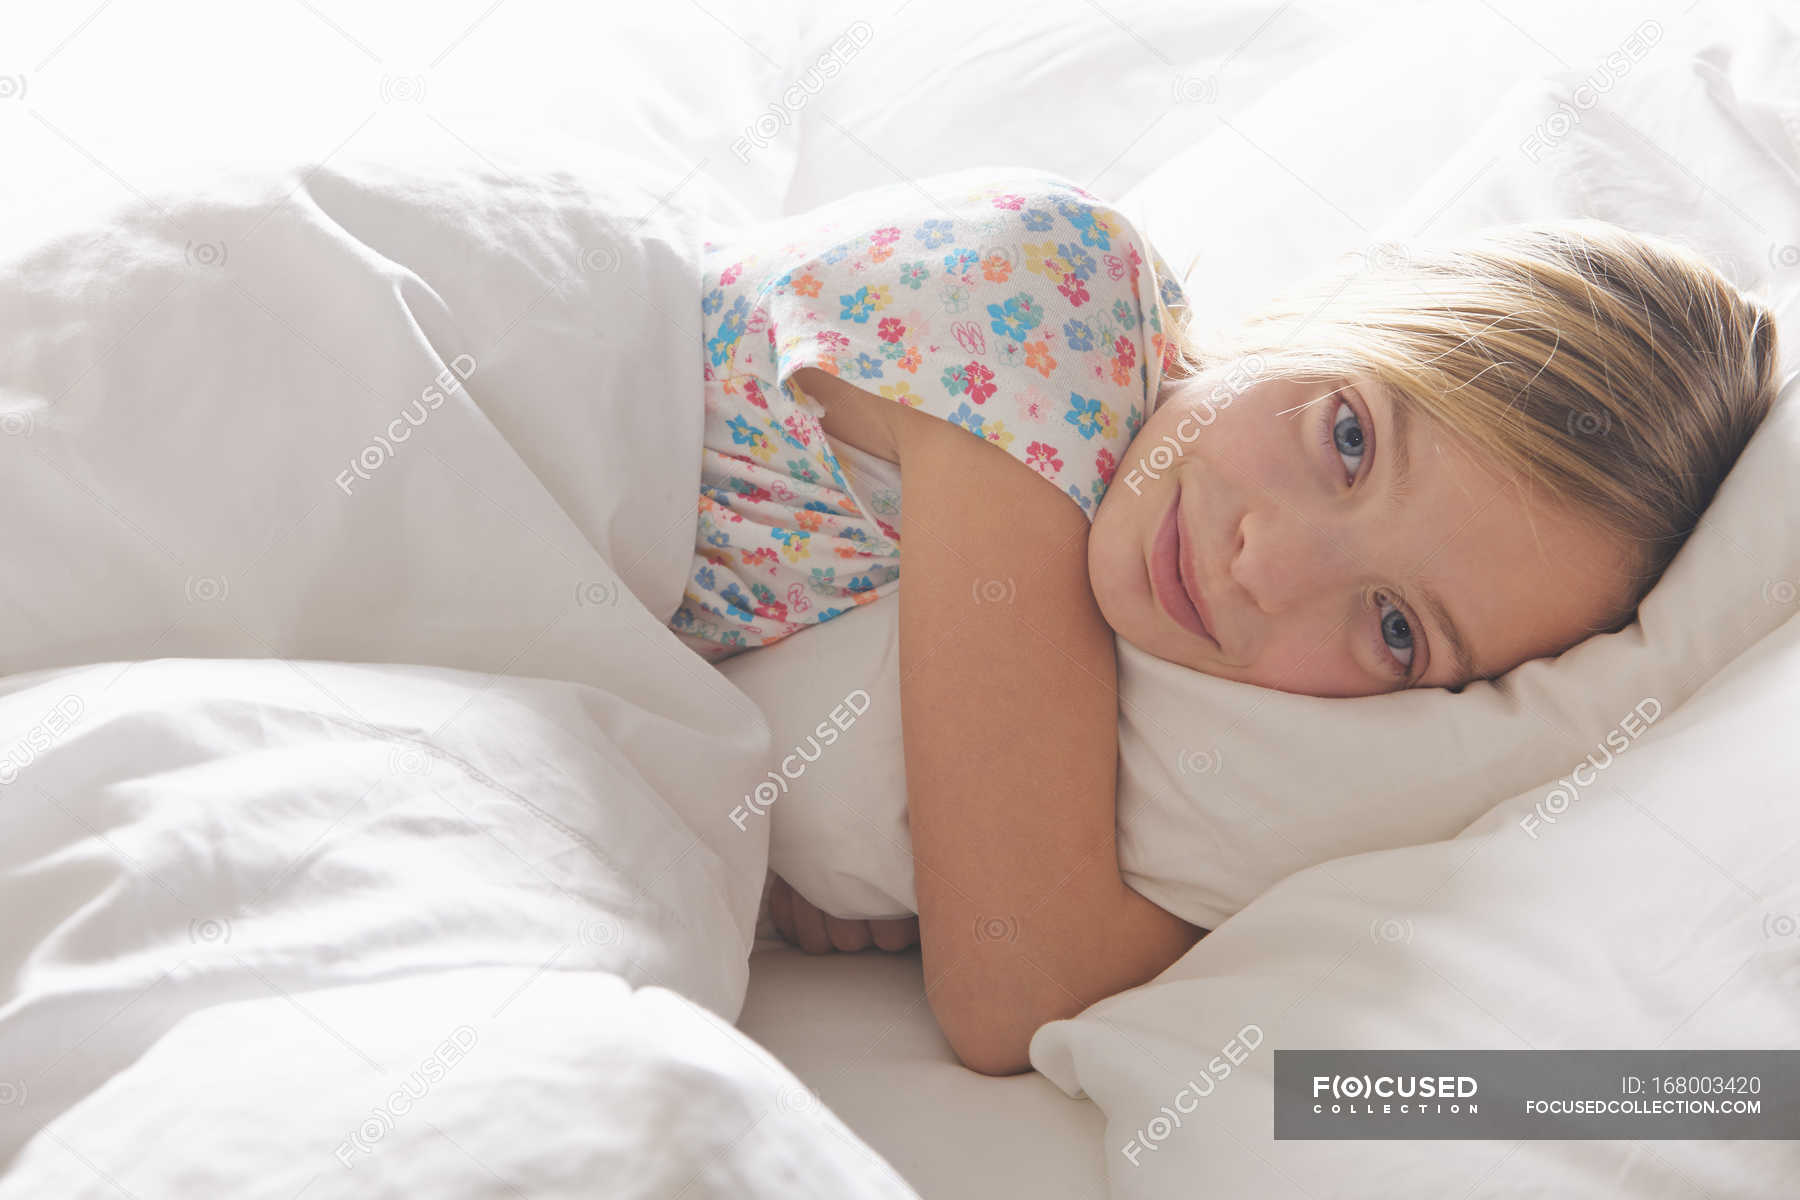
point(1172, 578)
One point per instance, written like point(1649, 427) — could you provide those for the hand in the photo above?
point(816, 933)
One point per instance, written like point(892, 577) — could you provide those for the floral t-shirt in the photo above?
point(1011, 303)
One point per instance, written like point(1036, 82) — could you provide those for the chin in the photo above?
point(1171, 648)
point(1117, 577)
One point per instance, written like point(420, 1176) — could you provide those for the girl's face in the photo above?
point(1341, 548)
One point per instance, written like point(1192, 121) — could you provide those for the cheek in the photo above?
point(1237, 439)
point(1117, 544)
point(1264, 450)
point(1111, 541)
point(1295, 661)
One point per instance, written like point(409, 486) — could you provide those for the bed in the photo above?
point(157, 1037)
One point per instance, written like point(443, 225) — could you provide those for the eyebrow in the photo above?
point(1459, 646)
point(1400, 479)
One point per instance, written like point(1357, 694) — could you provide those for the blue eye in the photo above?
point(1347, 437)
point(1396, 634)
point(1395, 627)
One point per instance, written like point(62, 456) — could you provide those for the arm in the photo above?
point(1010, 715)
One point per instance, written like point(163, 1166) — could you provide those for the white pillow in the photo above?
point(1659, 911)
point(596, 73)
point(1653, 905)
point(1225, 788)
point(1025, 88)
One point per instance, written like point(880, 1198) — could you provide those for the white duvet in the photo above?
point(275, 923)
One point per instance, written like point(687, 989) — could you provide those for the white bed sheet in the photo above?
point(856, 1030)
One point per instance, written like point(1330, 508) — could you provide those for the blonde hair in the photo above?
point(1619, 371)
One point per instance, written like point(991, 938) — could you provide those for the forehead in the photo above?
point(1522, 574)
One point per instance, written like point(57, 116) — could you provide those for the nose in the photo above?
point(1283, 559)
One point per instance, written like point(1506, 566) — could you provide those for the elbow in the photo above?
point(986, 1045)
point(993, 1057)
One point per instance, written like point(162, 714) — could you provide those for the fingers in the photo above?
point(781, 907)
point(809, 927)
point(800, 922)
point(847, 936)
point(895, 935)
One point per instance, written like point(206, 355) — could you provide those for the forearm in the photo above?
point(994, 979)
point(1024, 916)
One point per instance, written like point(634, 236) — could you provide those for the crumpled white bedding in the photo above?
point(481, 1082)
point(354, 409)
point(260, 914)
point(262, 908)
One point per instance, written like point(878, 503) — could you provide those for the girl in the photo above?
point(1413, 474)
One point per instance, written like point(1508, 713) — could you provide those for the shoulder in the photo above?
point(981, 503)
point(953, 207)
